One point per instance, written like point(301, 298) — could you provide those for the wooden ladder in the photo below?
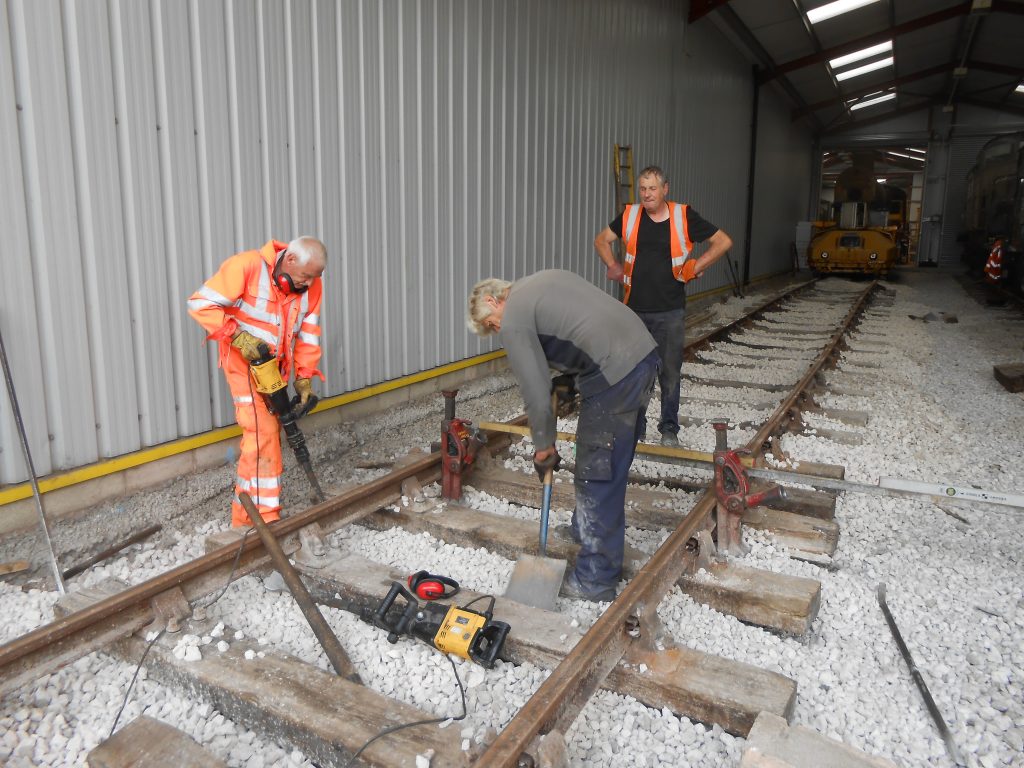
point(622, 169)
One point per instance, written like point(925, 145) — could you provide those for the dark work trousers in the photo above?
point(610, 423)
point(668, 329)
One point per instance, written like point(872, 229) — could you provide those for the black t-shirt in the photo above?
point(654, 289)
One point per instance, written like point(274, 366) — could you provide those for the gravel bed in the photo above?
point(955, 588)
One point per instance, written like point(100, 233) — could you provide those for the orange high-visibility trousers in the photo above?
point(259, 462)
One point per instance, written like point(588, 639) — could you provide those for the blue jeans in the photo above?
point(668, 330)
point(610, 424)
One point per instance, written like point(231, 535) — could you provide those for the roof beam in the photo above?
point(841, 98)
point(874, 39)
point(701, 8)
point(1000, 69)
point(994, 106)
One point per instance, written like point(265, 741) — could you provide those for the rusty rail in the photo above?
point(560, 698)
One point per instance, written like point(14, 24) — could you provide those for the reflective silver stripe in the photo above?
point(208, 293)
point(313, 318)
point(242, 400)
point(630, 258)
point(264, 482)
point(199, 304)
point(677, 222)
point(309, 338)
point(634, 216)
point(259, 314)
point(626, 280)
point(259, 333)
point(263, 501)
point(263, 291)
point(677, 261)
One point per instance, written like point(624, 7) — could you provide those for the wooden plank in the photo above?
point(291, 702)
point(767, 599)
point(697, 685)
point(15, 566)
point(738, 384)
point(651, 509)
point(798, 532)
point(1010, 375)
point(148, 743)
point(853, 418)
point(773, 743)
point(774, 600)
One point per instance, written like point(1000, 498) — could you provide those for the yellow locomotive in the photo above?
point(867, 237)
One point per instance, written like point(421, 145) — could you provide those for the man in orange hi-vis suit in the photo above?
point(268, 296)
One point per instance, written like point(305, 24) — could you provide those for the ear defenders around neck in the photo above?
point(430, 586)
point(284, 281)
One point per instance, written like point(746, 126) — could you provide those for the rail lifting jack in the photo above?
point(460, 442)
point(732, 493)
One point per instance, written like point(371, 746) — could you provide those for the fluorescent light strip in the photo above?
point(900, 154)
point(1019, 88)
point(863, 53)
point(863, 70)
point(836, 8)
point(872, 102)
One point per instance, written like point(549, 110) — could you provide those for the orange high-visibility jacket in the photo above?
point(994, 265)
point(242, 296)
point(681, 244)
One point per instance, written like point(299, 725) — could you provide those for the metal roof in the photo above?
point(946, 53)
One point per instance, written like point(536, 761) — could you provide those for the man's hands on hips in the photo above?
point(615, 272)
point(545, 461)
point(690, 270)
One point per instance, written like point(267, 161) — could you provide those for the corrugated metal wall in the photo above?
point(429, 144)
point(785, 167)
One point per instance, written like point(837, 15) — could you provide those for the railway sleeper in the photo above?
point(690, 683)
point(651, 509)
point(285, 699)
point(151, 743)
point(775, 601)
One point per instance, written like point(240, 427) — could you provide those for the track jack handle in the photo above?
point(733, 493)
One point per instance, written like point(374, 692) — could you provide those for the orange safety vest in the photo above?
point(242, 296)
point(994, 265)
point(681, 245)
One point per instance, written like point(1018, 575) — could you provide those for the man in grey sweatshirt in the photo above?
point(556, 319)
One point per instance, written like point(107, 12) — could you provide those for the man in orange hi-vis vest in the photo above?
point(268, 296)
point(659, 235)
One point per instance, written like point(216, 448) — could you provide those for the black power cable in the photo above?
point(403, 726)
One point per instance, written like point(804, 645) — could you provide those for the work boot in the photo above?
point(670, 439)
point(571, 587)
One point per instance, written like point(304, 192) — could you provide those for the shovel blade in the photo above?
point(536, 581)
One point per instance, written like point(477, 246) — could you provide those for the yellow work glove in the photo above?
point(304, 389)
point(247, 344)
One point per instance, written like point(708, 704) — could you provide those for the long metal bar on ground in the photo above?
point(933, 708)
point(135, 538)
point(561, 697)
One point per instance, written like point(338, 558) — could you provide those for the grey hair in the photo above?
point(480, 310)
point(653, 170)
point(306, 249)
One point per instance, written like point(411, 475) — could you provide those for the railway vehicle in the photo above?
point(867, 234)
point(994, 209)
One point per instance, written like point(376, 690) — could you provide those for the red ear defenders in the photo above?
point(430, 586)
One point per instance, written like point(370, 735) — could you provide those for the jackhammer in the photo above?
point(266, 377)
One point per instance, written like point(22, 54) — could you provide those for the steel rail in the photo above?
point(782, 412)
point(562, 696)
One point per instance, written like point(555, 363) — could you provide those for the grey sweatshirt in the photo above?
point(556, 319)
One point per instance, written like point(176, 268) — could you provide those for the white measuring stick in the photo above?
point(894, 487)
point(953, 491)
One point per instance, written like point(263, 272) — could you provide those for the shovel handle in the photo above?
point(545, 509)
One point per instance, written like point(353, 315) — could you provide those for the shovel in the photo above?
point(536, 580)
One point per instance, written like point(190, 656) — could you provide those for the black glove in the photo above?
point(564, 385)
point(552, 463)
